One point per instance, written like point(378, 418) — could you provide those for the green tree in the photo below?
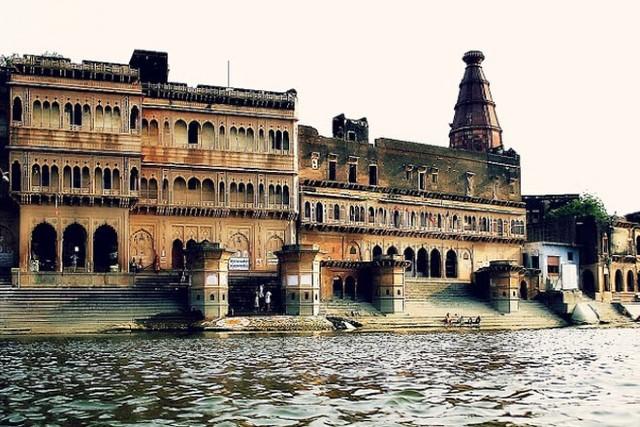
point(586, 205)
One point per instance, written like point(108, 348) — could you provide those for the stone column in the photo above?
point(388, 274)
point(504, 285)
point(300, 279)
point(209, 291)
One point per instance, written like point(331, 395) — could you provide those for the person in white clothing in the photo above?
point(267, 301)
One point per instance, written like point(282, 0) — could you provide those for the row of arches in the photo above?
point(48, 177)
point(410, 219)
point(77, 116)
point(209, 135)
point(424, 263)
point(194, 191)
point(44, 248)
point(630, 282)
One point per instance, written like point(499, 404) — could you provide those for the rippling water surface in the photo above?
point(554, 377)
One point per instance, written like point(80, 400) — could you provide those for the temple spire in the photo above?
point(475, 123)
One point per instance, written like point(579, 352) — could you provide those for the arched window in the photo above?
point(99, 123)
point(285, 140)
point(221, 137)
point(272, 139)
point(86, 117)
point(180, 132)
point(319, 212)
point(630, 281)
point(116, 179)
point(106, 179)
point(307, 210)
point(133, 180)
point(35, 176)
point(179, 190)
point(86, 177)
point(221, 193)
point(36, 114)
point(208, 190)
point(396, 219)
point(16, 112)
point(409, 255)
point(133, 118)
point(54, 116)
point(272, 194)
point(336, 212)
point(278, 140)
point(77, 177)
point(372, 215)
point(451, 264)
point(77, 115)
point(285, 195)
point(45, 176)
point(193, 187)
point(208, 135)
point(194, 132)
point(153, 189)
point(261, 194)
point(278, 195)
point(250, 194)
point(165, 191)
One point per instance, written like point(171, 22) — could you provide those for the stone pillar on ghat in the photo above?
point(504, 285)
point(300, 278)
point(209, 292)
point(388, 275)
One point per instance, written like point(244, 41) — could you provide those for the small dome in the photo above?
point(473, 57)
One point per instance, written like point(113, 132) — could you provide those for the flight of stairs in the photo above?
point(89, 309)
point(428, 302)
point(607, 312)
point(348, 308)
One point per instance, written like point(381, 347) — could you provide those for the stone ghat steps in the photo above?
point(421, 289)
point(86, 309)
point(608, 313)
point(348, 308)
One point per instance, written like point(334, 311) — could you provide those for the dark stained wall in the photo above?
point(399, 163)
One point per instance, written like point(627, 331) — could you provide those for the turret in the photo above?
point(475, 123)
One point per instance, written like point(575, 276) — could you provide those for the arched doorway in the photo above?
point(409, 255)
point(43, 246)
point(337, 287)
point(377, 252)
point(422, 263)
point(392, 250)
point(435, 264)
point(105, 249)
point(350, 288)
point(141, 248)
point(524, 294)
point(451, 264)
point(588, 284)
point(74, 247)
point(619, 283)
point(177, 255)
point(630, 281)
point(192, 246)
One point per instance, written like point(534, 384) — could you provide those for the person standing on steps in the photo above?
point(267, 301)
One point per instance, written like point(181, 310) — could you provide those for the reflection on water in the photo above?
point(554, 377)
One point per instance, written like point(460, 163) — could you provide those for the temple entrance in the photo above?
point(74, 247)
point(105, 249)
point(43, 247)
point(350, 288)
point(337, 288)
point(524, 294)
point(177, 255)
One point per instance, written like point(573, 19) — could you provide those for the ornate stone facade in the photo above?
point(111, 162)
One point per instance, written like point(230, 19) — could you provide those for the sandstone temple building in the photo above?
point(112, 167)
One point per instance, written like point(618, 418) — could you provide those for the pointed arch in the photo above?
point(435, 264)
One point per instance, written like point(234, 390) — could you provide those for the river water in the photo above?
point(560, 377)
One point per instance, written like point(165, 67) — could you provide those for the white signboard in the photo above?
point(569, 276)
point(238, 263)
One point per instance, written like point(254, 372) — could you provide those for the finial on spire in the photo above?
point(473, 57)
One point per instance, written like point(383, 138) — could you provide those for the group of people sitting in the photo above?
point(460, 320)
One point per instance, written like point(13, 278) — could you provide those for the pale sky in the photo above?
point(564, 74)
